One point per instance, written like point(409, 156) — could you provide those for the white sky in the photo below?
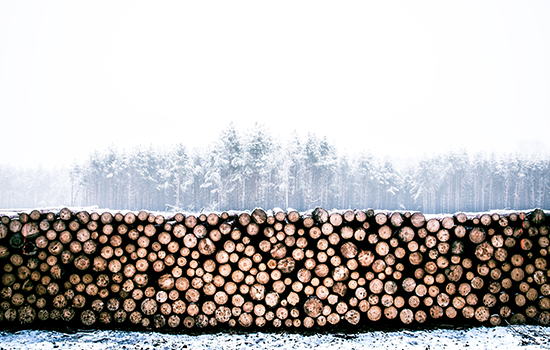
point(397, 77)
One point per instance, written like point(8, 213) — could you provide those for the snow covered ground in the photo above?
point(524, 337)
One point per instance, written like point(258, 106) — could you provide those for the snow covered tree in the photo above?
point(245, 170)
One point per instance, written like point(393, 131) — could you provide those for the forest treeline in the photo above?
point(244, 170)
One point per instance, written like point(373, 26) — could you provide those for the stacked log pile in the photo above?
point(273, 269)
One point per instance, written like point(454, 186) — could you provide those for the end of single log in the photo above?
point(313, 307)
point(65, 214)
point(537, 216)
point(381, 218)
point(396, 219)
point(259, 216)
point(30, 230)
point(320, 215)
point(292, 215)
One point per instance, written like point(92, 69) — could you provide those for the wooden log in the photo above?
point(292, 215)
point(433, 225)
point(336, 219)
point(244, 219)
point(396, 219)
point(349, 216)
point(381, 218)
point(477, 235)
point(313, 307)
point(374, 313)
point(320, 215)
point(484, 251)
point(537, 216)
point(418, 220)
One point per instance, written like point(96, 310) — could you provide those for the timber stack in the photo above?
point(273, 269)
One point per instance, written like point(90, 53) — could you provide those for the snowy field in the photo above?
point(524, 337)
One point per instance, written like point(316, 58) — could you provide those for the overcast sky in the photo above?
point(393, 77)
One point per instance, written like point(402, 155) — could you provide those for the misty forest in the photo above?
point(248, 169)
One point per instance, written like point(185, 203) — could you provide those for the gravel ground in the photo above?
point(524, 337)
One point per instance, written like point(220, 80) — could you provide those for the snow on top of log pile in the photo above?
point(169, 214)
point(90, 209)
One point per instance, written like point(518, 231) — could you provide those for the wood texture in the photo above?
point(274, 269)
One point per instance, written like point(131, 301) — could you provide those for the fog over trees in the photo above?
point(248, 169)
